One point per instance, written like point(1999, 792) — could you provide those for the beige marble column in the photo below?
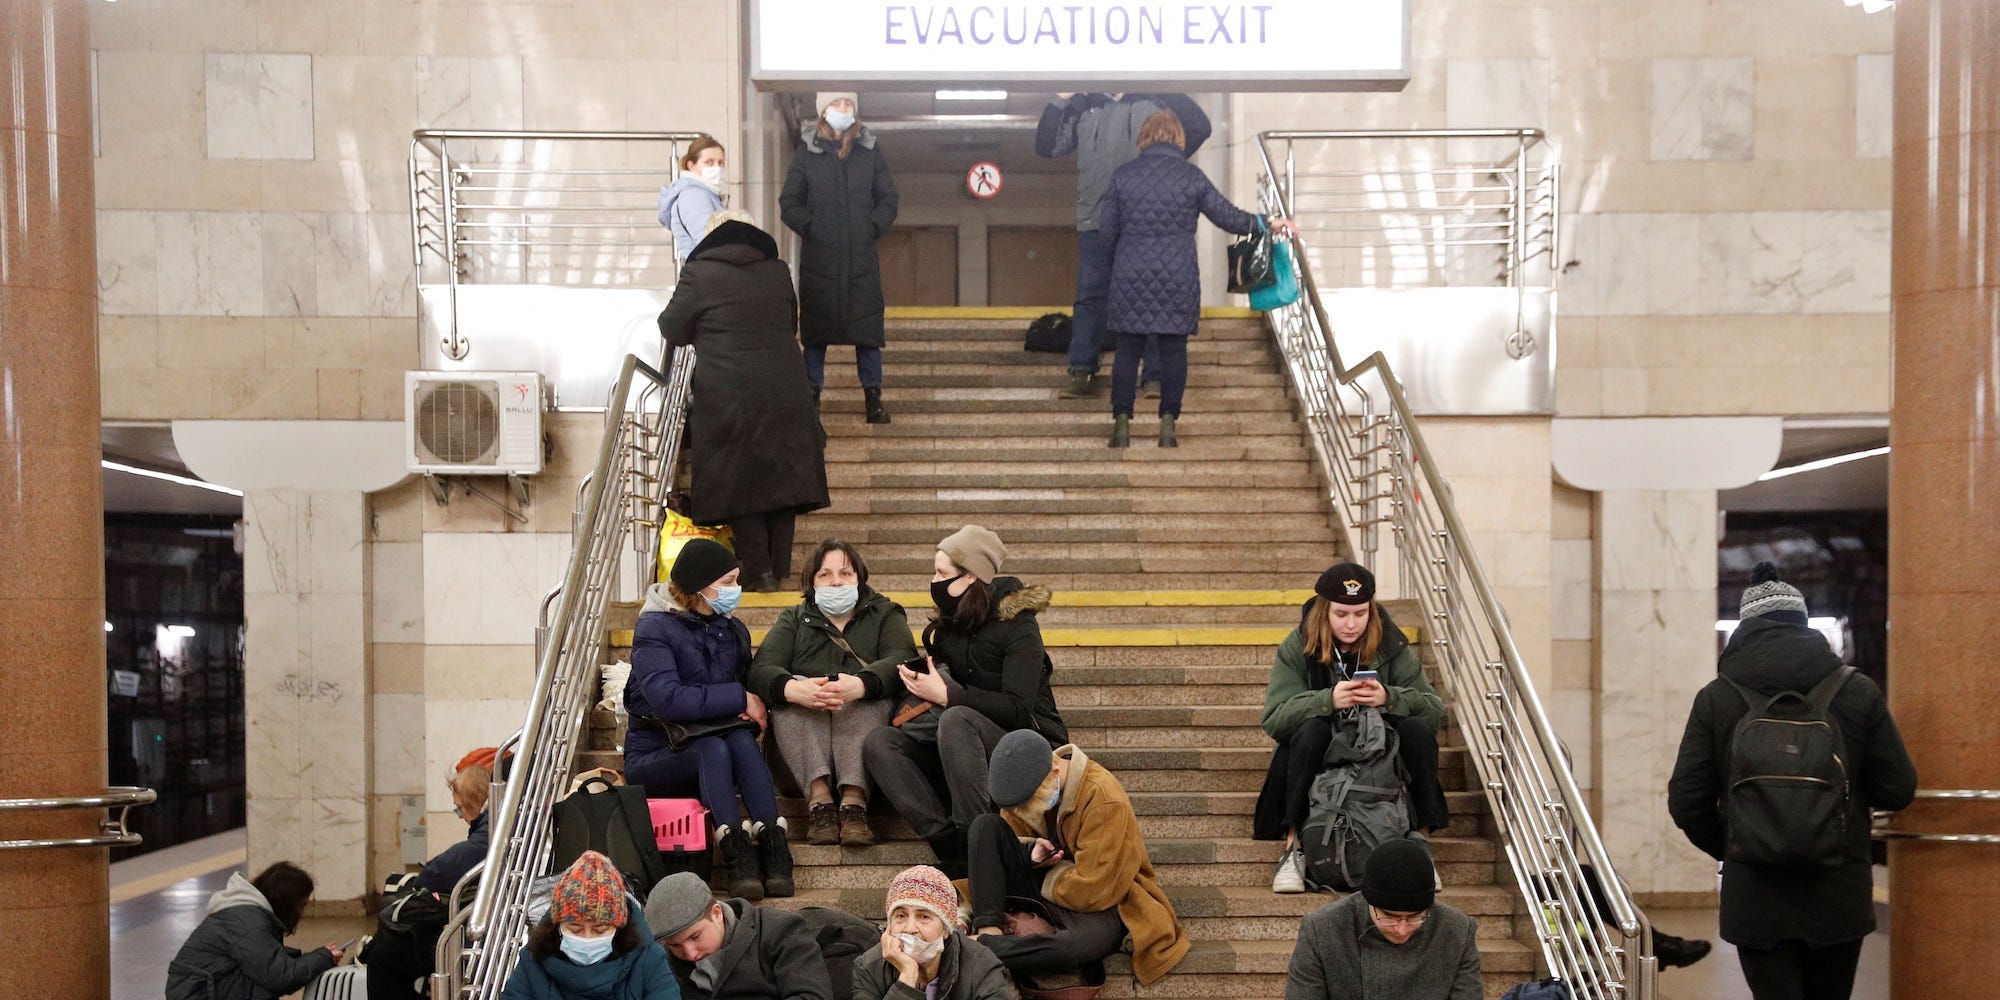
point(54, 938)
point(1944, 487)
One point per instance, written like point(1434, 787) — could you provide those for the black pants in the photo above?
point(764, 544)
point(938, 786)
point(1125, 372)
point(1798, 971)
point(1002, 867)
point(1306, 756)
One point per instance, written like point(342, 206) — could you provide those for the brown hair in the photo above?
point(1162, 126)
point(975, 607)
point(846, 139)
point(546, 939)
point(1320, 641)
point(696, 148)
point(471, 787)
point(691, 601)
point(827, 548)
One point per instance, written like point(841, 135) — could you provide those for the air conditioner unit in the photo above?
point(474, 423)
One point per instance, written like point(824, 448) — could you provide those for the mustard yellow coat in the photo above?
point(1107, 865)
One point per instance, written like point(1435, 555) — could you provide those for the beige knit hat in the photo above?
point(977, 549)
point(826, 97)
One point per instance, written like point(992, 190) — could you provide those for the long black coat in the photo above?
point(238, 952)
point(839, 207)
point(1762, 906)
point(1148, 219)
point(758, 444)
point(770, 954)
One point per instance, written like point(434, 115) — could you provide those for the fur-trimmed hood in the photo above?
point(809, 135)
point(1011, 598)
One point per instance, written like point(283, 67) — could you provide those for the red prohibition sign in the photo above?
point(983, 180)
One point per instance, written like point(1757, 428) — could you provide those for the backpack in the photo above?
point(1049, 334)
point(1358, 802)
point(614, 821)
point(1786, 801)
point(401, 954)
point(1541, 989)
point(842, 937)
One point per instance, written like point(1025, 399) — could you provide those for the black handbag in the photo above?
point(1250, 261)
point(682, 734)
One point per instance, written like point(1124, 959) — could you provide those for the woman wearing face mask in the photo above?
point(984, 675)
point(589, 947)
point(828, 669)
point(924, 952)
point(695, 194)
point(689, 660)
point(1342, 632)
point(839, 198)
point(239, 949)
point(758, 450)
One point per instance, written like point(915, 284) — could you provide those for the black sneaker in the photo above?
point(1678, 952)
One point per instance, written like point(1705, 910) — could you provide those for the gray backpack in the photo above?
point(1358, 803)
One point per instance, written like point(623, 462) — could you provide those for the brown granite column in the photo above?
point(54, 921)
point(1944, 487)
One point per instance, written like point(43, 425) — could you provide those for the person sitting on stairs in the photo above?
point(827, 668)
point(734, 950)
point(1066, 843)
point(1342, 631)
point(591, 946)
point(690, 656)
point(924, 953)
point(985, 675)
point(1391, 939)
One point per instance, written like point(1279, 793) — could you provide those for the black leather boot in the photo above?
point(876, 414)
point(1121, 432)
point(774, 855)
point(1167, 438)
point(739, 864)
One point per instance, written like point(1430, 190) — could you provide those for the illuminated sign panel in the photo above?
point(1274, 45)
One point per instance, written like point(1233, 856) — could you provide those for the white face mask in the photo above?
point(711, 175)
point(837, 600)
point(918, 948)
point(839, 121)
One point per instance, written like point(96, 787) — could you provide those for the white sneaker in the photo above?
point(1291, 876)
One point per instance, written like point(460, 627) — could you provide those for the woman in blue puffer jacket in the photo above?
point(690, 657)
point(1148, 220)
point(592, 946)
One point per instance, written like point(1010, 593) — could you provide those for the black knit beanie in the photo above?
point(1400, 878)
point(702, 561)
point(1346, 583)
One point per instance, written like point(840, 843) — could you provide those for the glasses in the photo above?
point(1386, 919)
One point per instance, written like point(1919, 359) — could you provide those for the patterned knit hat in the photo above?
point(1769, 597)
point(590, 891)
point(925, 888)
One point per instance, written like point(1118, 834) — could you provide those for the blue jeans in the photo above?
point(1167, 354)
point(714, 769)
point(867, 364)
point(1087, 338)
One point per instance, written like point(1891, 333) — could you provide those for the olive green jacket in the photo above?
point(1300, 689)
point(800, 644)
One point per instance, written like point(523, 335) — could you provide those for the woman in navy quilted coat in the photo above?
point(1148, 220)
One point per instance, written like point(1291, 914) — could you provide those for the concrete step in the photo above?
point(1001, 403)
point(1032, 562)
point(1201, 351)
point(908, 372)
point(1308, 530)
point(1246, 475)
point(1222, 503)
point(1009, 330)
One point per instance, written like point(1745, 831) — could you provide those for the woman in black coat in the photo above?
point(1148, 220)
point(238, 951)
point(759, 451)
point(838, 197)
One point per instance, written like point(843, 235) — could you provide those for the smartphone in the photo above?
point(920, 665)
point(349, 946)
point(1368, 677)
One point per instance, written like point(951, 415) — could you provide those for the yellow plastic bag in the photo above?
point(676, 531)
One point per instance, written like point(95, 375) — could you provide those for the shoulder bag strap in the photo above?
point(841, 641)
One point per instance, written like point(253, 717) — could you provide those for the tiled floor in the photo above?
point(157, 899)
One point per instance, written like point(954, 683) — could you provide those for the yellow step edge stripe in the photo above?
point(1033, 312)
point(1094, 598)
point(1242, 635)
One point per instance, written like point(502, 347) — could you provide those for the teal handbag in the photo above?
point(1283, 288)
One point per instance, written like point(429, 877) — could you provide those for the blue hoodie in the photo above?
point(685, 206)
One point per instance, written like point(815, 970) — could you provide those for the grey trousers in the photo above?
point(936, 787)
point(818, 744)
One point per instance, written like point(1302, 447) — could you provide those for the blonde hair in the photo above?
point(1162, 126)
point(1321, 642)
point(690, 601)
point(470, 787)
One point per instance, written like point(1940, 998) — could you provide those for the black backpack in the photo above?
point(401, 954)
point(613, 821)
point(842, 937)
point(1786, 802)
point(1049, 334)
point(1359, 802)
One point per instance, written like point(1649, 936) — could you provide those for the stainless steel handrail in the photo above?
point(1955, 794)
point(1363, 434)
point(112, 829)
point(643, 404)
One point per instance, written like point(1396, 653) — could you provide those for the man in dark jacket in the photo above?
point(1103, 131)
point(1797, 931)
point(733, 950)
point(1391, 939)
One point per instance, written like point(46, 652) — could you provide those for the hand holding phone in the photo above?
point(1368, 677)
point(920, 665)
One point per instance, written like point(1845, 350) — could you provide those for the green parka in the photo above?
point(801, 644)
point(1300, 689)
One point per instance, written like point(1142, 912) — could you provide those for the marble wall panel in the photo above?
point(482, 589)
point(1571, 607)
point(291, 282)
point(1752, 262)
point(364, 106)
point(1646, 263)
point(149, 104)
point(397, 742)
point(1845, 265)
point(1874, 102)
point(258, 106)
point(209, 263)
point(1703, 108)
point(396, 592)
point(127, 264)
point(468, 93)
point(1655, 540)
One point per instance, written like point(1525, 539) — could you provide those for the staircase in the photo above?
point(1176, 573)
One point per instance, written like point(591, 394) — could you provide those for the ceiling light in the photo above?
point(971, 95)
point(1822, 463)
point(169, 477)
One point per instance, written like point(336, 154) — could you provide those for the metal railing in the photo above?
point(621, 499)
point(1882, 830)
point(112, 831)
point(489, 206)
point(1382, 475)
